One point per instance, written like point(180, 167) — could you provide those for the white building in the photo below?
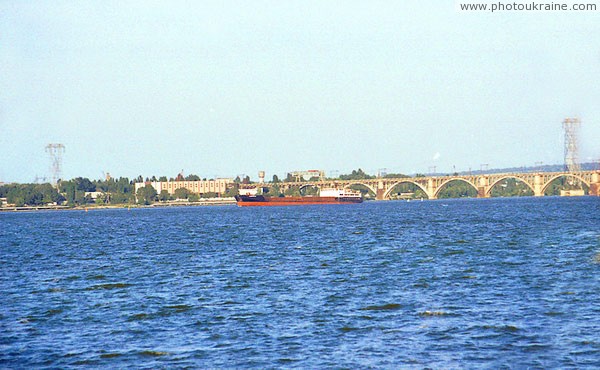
point(218, 186)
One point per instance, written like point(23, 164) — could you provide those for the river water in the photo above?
point(496, 283)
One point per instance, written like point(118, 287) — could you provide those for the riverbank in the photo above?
point(91, 207)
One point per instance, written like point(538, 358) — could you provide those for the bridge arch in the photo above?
point(388, 192)
point(497, 181)
point(447, 181)
point(308, 188)
point(363, 184)
point(308, 185)
point(566, 175)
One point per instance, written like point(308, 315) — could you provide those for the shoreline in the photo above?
point(216, 202)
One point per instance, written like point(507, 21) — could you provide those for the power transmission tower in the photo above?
point(56, 152)
point(571, 127)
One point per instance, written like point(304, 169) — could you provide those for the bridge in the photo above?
point(432, 185)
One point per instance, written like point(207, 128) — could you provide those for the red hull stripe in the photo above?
point(275, 203)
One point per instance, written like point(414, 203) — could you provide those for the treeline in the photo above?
point(113, 191)
point(71, 192)
point(30, 194)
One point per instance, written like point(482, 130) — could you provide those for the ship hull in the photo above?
point(261, 201)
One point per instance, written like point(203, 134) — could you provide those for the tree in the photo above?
point(356, 175)
point(146, 195)
point(231, 192)
point(84, 184)
point(164, 196)
point(457, 189)
point(274, 191)
point(181, 193)
point(192, 178)
point(309, 190)
point(292, 191)
point(15, 196)
point(69, 188)
point(275, 179)
point(102, 199)
point(395, 176)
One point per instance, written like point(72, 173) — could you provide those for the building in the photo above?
point(218, 186)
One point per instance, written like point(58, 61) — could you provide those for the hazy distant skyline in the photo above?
point(221, 89)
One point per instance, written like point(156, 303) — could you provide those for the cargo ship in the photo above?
point(326, 196)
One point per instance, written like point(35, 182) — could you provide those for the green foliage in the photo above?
point(309, 190)
point(181, 193)
point(457, 189)
point(395, 176)
point(511, 188)
point(232, 192)
point(210, 195)
point(273, 191)
point(122, 198)
point(102, 199)
point(74, 190)
point(146, 195)
point(407, 190)
point(30, 194)
point(83, 184)
point(118, 191)
point(192, 177)
point(357, 175)
point(564, 183)
point(193, 197)
point(275, 179)
point(292, 192)
point(164, 196)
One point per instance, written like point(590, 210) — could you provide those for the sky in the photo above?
point(228, 88)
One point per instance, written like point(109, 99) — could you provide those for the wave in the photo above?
point(109, 286)
point(389, 306)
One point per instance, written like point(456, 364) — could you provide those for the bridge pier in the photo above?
point(538, 185)
point(431, 189)
point(483, 187)
point(380, 195)
point(482, 192)
point(595, 184)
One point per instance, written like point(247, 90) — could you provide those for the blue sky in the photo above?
point(232, 87)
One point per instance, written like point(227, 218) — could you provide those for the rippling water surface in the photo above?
point(444, 284)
